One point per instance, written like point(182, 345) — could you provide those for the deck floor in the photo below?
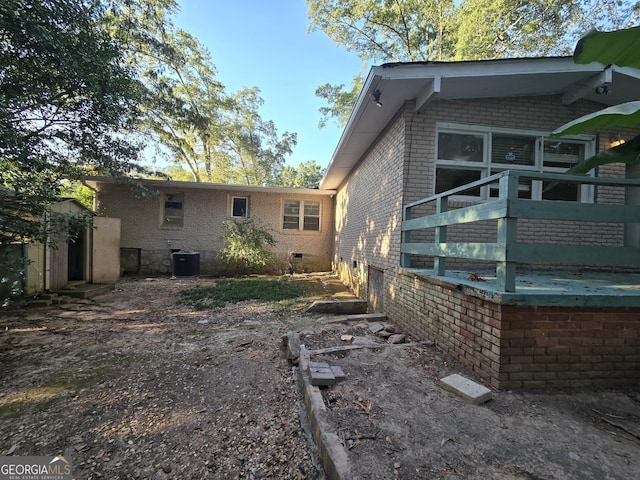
point(563, 288)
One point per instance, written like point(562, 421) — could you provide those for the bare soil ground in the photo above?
point(132, 384)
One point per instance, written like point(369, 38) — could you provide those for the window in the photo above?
point(465, 154)
point(301, 215)
point(240, 207)
point(173, 209)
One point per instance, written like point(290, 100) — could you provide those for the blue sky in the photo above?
point(265, 44)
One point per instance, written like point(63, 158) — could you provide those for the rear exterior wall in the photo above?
point(204, 212)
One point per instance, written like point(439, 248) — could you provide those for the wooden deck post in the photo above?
point(439, 263)
point(507, 235)
point(405, 258)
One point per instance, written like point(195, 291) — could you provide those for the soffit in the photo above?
point(424, 82)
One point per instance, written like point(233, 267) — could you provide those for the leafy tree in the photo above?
point(246, 245)
point(67, 97)
point(217, 136)
point(307, 175)
point(428, 30)
point(78, 191)
point(253, 151)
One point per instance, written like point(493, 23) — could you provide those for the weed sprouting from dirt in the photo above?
point(233, 290)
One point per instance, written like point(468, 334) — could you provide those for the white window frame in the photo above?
point(301, 215)
point(231, 205)
point(587, 193)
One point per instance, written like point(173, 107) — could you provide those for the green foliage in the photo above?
point(241, 289)
point(610, 48)
point(604, 47)
point(67, 98)
point(307, 175)
point(340, 101)
point(213, 134)
point(245, 245)
point(78, 191)
point(382, 31)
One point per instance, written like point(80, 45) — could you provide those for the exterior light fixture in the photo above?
point(615, 141)
point(375, 96)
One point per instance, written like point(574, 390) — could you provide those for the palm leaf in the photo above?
point(628, 152)
point(623, 115)
point(619, 47)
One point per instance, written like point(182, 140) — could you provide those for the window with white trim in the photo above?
point(173, 209)
point(465, 154)
point(301, 215)
point(239, 207)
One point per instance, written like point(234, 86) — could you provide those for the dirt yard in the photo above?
point(133, 385)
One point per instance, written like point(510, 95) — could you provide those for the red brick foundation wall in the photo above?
point(511, 347)
point(543, 347)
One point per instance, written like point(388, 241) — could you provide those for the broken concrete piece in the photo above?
point(291, 341)
point(384, 334)
point(396, 338)
point(369, 317)
point(376, 327)
point(338, 373)
point(471, 391)
point(320, 374)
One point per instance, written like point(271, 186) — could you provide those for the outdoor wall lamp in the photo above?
point(616, 141)
point(375, 96)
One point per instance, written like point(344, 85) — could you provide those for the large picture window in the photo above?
point(301, 215)
point(465, 154)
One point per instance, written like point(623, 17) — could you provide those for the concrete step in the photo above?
point(339, 307)
point(87, 290)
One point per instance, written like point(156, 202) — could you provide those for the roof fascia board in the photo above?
point(628, 71)
point(215, 186)
point(486, 68)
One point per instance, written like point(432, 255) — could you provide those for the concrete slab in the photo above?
point(471, 391)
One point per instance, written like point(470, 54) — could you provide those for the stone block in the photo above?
point(321, 374)
point(469, 390)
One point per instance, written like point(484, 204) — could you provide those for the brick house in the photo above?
point(437, 208)
point(187, 217)
point(422, 130)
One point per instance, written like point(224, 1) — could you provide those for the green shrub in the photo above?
point(246, 245)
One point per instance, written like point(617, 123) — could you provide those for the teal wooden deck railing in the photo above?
point(507, 209)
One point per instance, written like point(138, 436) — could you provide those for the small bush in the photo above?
point(245, 245)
